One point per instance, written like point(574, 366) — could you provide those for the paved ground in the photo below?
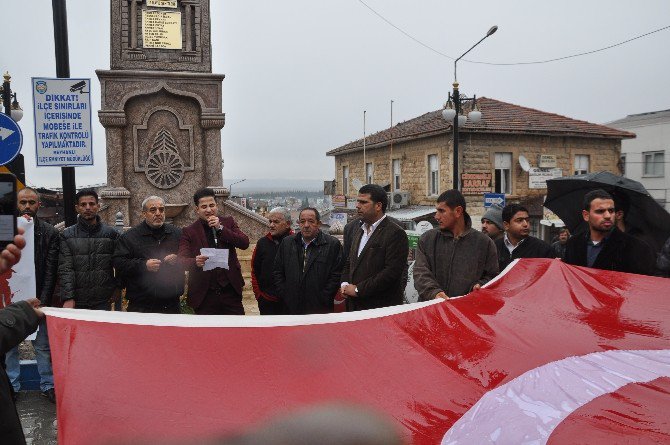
point(38, 417)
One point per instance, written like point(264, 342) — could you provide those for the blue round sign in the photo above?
point(11, 139)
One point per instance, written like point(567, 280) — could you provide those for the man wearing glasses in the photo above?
point(145, 260)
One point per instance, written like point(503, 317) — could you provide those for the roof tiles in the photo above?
point(497, 117)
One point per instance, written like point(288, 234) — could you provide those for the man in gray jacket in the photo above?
point(454, 259)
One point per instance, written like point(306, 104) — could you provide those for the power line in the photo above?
point(536, 62)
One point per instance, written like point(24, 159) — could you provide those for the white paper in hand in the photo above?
point(215, 258)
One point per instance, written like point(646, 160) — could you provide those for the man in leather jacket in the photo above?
point(46, 268)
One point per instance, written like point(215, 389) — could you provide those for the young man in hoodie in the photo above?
point(262, 262)
point(453, 259)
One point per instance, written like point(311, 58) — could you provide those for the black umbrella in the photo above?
point(644, 217)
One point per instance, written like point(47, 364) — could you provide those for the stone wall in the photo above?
point(254, 225)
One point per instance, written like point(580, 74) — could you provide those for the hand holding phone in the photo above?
point(8, 229)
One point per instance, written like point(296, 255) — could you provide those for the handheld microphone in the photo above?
point(216, 241)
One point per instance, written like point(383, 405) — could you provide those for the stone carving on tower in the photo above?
point(161, 108)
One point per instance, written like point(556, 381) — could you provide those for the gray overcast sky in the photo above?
point(299, 73)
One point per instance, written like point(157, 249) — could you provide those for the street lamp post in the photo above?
point(14, 111)
point(12, 107)
point(230, 187)
point(452, 109)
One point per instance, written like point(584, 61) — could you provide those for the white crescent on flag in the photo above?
point(546, 353)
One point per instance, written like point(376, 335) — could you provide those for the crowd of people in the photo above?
point(87, 265)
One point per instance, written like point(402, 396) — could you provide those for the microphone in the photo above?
point(216, 242)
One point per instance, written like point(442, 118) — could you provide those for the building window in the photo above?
point(653, 163)
point(396, 175)
point(345, 180)
point(622, 165)
point(433, 175)
point(581, 164)
point(369, 173)
point(503, 173)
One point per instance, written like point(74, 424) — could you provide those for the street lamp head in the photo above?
point(493, 29)
point(16, 110)
point(462, 119)
point(475, 116)
point(448, 113)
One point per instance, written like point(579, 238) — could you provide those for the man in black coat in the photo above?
point(85, 262)
point(373, 268)
point(17, 321)
point(46, 247)
point(603, 245)
point(517, 242)
point(308, 267)
point(145, 259)
point(262, 262)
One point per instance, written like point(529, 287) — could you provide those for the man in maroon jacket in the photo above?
point(217, 291)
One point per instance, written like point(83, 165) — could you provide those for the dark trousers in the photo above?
point(156, 307)
point(96, 307)
point(267, 307)
point(221, 301)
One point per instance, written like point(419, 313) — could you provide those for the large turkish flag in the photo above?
point(546, 353)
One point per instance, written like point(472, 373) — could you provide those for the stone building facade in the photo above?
point(422, 151)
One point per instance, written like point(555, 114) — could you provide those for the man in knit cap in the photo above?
point(492, 223)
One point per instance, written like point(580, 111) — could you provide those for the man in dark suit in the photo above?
point(217, 291)
point(603, 245)
point(373, 269)
point(517, 241)
point(308, 267)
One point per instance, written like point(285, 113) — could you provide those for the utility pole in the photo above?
point(63, 71)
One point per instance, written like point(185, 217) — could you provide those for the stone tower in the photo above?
point(161, 108)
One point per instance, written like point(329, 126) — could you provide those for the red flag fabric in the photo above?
point(546, 353)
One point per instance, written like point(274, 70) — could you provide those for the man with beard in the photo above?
point(517, 242)
point(373, 268)
point(603, 245)
point(262, 262)
point(85, 263)
point(46, 270)
point(560, 244)
point(145, 259)
point(308, 267)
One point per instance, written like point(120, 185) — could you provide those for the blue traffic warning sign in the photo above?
point(11, 139)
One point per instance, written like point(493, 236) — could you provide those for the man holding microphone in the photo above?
point(217, 291)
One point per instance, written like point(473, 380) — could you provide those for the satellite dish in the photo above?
point(356, 183)
point(525, 165)
point(423, 226)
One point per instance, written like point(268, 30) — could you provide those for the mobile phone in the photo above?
point(7, 209)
